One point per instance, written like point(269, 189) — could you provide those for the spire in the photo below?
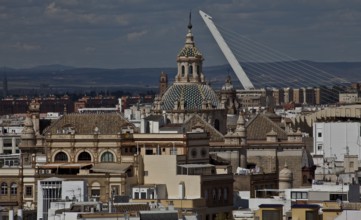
point(190, 20)
point(241, 128)
point(189, 37)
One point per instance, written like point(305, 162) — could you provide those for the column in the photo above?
point(1, 145)
point(13, 145)
point(11, 214)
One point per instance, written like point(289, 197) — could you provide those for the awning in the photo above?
point(64, 165)
point(110, 167)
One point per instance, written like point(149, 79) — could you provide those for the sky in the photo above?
point(150, 33)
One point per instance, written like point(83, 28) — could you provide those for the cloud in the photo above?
point(121, 19)
point(136, 35)
point(75, 27)
point(25, 46)
point(57, 12)
point(89, 49)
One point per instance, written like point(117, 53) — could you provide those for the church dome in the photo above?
point(193, 94)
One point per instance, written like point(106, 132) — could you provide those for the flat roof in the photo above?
point(305, 206)
point(111, 167)
point(270, 205)
point(196, 165)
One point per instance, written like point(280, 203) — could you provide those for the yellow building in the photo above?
point(305, 211)
point(186, 180)
point(269, 212)
point(330, 210)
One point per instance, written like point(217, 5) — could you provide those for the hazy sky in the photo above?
point(144, 33)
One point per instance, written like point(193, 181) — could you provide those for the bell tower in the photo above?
point(189, 61)
point(163, 83)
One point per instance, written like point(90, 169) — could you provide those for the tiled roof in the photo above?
point(189, 52)
point(107, 123)
point(193, 94)
point(197, 120)
point(260, 125)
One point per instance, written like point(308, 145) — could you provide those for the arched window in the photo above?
point(190, 70)
point(95, 190)
point(84, 156)
point(206, 194)
point(225, 194)
point(61, 156)
point(216, 124)
point(4, 189)
point(183, 70)
point(107, 157)
point(13, 189)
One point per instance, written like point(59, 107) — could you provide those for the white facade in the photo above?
point(336, 139)
point(348, 97)
point(56, 189)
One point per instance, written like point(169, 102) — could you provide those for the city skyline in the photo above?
point(135, 34)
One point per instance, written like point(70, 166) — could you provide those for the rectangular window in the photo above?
point(149, 151)
point(311, 215)
point(28, 191)
point(115, 190)
point(319, 147)
point(143, 195)
point(136, 195)
point(95, 193)
point(351, 164)
point(271, 214)
point(319, 134)
point(342, 197)
point(304, 195)
point(173, 152)
point(299, 195)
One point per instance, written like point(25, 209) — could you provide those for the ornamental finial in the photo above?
point(190, 20)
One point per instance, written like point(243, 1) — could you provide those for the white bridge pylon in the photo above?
point(238, 70)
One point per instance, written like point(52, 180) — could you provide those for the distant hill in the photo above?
point(63, 77)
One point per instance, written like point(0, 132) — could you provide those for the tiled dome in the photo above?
point(193, 94)
point(189, 52)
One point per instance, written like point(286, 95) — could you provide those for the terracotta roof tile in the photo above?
point(107, 123)
point(260, 125)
